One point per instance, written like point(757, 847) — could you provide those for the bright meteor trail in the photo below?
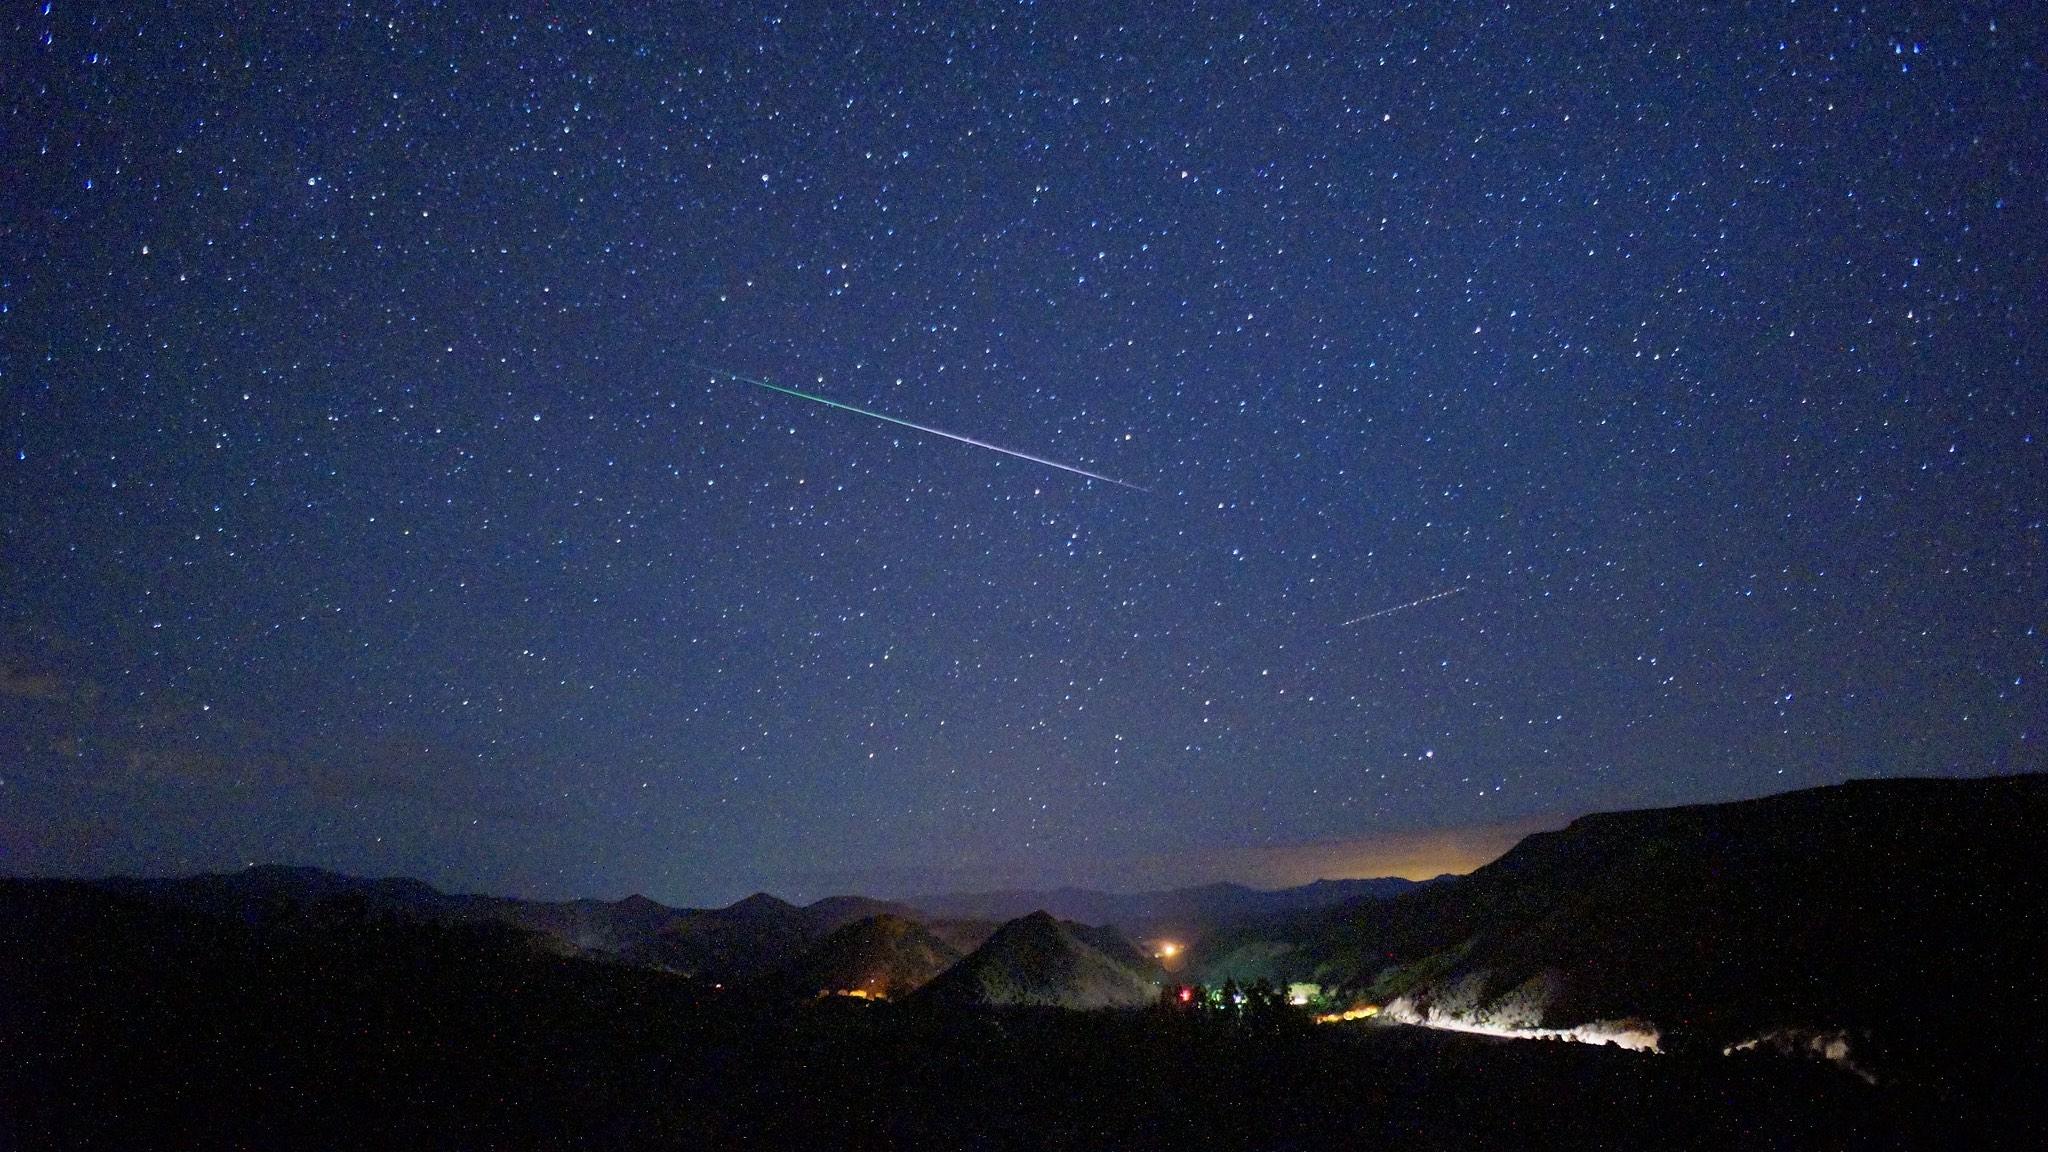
point(1399, 607)
point(926, 430)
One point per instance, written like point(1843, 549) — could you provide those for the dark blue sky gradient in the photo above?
point(363, 506)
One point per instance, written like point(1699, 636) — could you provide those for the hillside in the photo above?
point(1880, 915)
point(1038, 960)
point(882, 956)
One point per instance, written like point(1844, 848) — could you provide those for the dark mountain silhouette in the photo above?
point(1892, 923)
point(133, 1023)
point(586, 925)
point(275, 886)
point(1039, 960)
point(882, 956)
point(1186, 910)
point(746, 939)
point(835, 912)
point(1898, 922)
point(1894, 927)
point(737, 942)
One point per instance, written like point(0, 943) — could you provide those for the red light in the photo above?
point(1186, 995)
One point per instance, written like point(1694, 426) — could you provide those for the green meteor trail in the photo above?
point(922, 428)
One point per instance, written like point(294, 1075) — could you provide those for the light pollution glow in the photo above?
point(1420, 855)
point(1409, 855)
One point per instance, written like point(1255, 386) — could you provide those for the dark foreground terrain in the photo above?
point(130, 1024)
point(1911, 914)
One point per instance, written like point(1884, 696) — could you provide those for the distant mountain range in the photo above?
point(1879, 923)
point(838, 944)
point(1184, 909)
point(742, 941)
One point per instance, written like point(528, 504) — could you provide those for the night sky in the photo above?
point(378, 494)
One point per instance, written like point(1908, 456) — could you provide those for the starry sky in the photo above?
point(381, 489)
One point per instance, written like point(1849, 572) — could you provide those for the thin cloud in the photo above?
point(46, 687)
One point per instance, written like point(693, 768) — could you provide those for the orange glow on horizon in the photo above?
point(1419, 855)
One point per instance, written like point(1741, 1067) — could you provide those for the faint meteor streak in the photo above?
point(1410, 604)
point(927, 430)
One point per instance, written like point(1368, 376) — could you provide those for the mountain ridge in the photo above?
point(1187, 908)
point(1865, 918)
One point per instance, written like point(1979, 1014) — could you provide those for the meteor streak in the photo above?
point(1399, 607)
point(922, 428)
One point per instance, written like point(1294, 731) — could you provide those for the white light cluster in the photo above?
point(1635, 1035)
